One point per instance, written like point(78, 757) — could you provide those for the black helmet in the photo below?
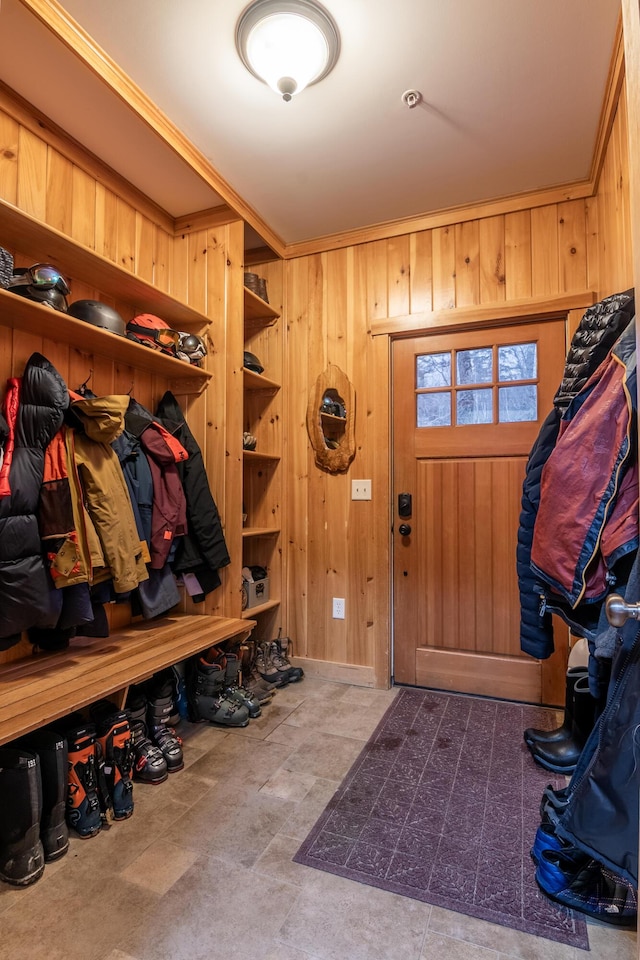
point(99, 314)
point(251, 362)
point(50, 298)
point(192, 348)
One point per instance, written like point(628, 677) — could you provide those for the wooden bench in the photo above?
point(39, 689)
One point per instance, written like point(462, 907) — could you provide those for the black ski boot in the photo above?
point(533, 735)
point(207, 698)
point(83, 803)
point(114, 736)
point(21, 851)
point(51, 748)
point(230, 663)
point(561, 756)
point(149, 765)
point(160, 714)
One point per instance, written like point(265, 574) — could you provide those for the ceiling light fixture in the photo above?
point(288, 44)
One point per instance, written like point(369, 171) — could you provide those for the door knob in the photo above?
point(619, 611)
point(404, 529)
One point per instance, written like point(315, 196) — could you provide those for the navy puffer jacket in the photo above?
point(597, 332)
point(34, 408)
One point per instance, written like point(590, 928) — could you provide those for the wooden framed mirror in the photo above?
point(331, 420)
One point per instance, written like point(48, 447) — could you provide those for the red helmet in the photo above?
point(154, 332)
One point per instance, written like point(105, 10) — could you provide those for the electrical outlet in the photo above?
point(338, 608)
point(361, 489)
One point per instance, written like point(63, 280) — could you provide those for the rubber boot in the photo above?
point(208, 699)
point(51, 748)
point(279, 649)
point(114, 736)
point(83, 803)
point(21, 851)
point(561, 756)
point(160, 712)
point(230, 663)
point(563, 732)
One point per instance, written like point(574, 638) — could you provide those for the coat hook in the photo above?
point(83, 386)
point(130, 390)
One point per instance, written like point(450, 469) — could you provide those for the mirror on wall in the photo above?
point(331, 420)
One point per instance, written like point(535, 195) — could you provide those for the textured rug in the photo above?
point(442, 805)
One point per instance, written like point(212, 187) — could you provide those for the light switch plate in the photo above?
point(361, 489)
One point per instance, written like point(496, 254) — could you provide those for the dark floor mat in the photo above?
point(442, 805)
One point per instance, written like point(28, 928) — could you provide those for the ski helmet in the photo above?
point(99, 314)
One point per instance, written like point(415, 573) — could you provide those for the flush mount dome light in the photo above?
point(288, 44)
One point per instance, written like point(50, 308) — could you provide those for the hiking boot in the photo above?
point(258, 688)
point(278, 649)
point(208, 700)
point(267, 669)
point(83, 803)
point(114, 736)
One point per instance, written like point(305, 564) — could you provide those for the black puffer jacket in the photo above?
point(34, 408)
point(600, 327)
point(203, 551)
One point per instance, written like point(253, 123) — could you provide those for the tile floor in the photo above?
point(203, 870)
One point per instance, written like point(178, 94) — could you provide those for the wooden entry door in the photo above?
point(467, 408)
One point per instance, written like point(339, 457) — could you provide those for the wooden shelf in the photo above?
point(258, 310)
point(248, 532)
point(39, 689)
point(45, 244)
point(35, 318)
point(331, 418)
point(256, 382)
point(261, 608)
point(249, 455)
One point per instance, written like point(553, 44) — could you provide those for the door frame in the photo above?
point(383, 332)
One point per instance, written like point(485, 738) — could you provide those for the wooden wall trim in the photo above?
point(631, 19)
point(205, 220)
point(53, 16)
point(613, 87)
point(29, 117)
point(441, 218)
point(531, 309)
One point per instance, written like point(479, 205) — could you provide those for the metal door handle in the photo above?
point(619, 611)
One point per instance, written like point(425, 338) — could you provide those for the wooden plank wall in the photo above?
point(338, 547)
point(53, 180)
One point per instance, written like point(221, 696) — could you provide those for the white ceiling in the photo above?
point(512, 96)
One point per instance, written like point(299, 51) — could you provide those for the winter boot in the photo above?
point(279, 650)
point(561, 756)
point(83, 803)
point(51, 748)
point(267, 668)
point(232, 687)
point(563, 732)
point(207, 697)
point(21, 851)
point(257, 688)
point(114, 736)
point(160, 713)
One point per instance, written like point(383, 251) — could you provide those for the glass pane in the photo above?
point(434, 410)
point(433, 370)
point(474, 366)
point(474, 406)
point(518, 361)
point(517, 403)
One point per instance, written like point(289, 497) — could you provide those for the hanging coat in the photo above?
point(33, 412)
point(203, 551)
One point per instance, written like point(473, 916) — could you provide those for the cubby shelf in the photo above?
point(257, 382)
point(23, 233)
point(257, 310)
point(261, 608)
point(255, 455)
point(249, 532)
point(35, 318)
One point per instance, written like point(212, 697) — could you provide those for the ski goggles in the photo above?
point(42, 276)
point(163, 336)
